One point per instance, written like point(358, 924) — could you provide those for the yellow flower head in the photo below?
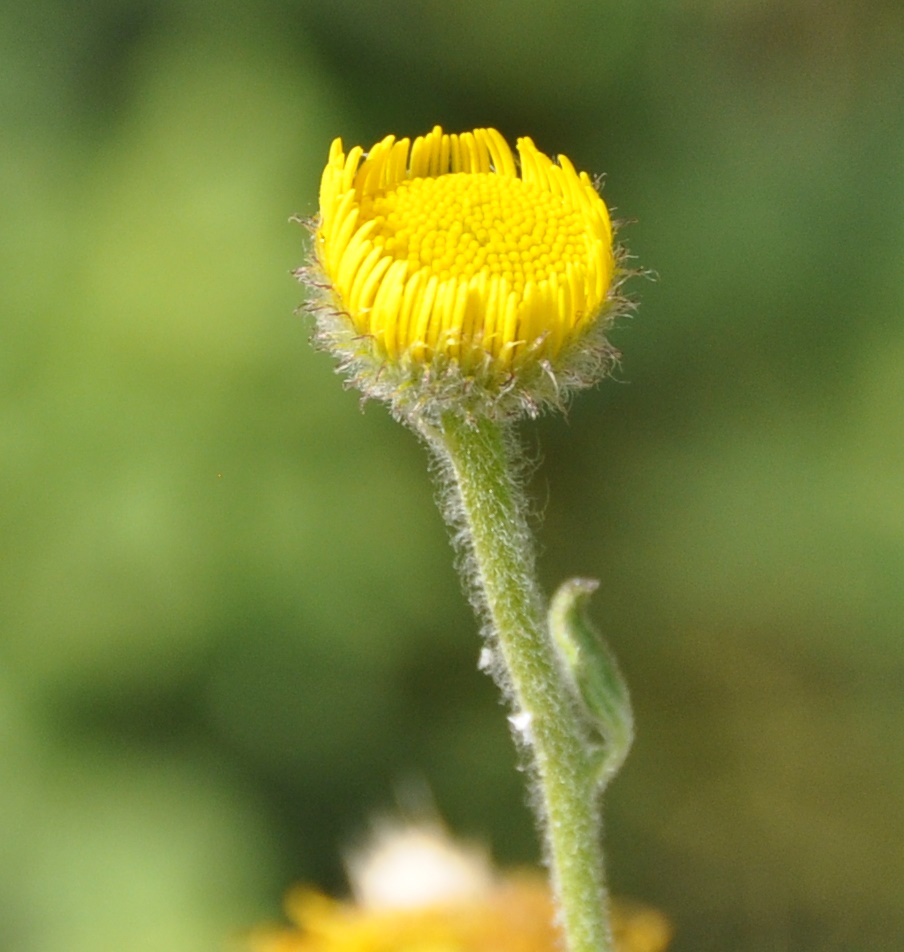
point(417, 890)
point(516, 915)
point(458, 276)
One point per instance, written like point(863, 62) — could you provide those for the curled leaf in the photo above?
point(596, 681)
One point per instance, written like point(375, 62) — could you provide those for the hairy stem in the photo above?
point(489, 514)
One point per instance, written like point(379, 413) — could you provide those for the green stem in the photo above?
point(490, 509)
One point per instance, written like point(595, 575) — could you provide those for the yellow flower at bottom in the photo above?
point(516, 915)
point(418, 890)
point(447, 260)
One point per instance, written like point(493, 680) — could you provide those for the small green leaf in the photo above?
point(597, 683)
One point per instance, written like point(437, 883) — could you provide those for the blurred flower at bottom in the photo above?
point(416, 890)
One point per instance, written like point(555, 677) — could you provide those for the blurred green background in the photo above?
point(229, 623)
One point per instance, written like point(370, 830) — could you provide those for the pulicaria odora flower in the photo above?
point(452, 275)
point(416, 890)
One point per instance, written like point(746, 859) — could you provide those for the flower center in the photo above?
point(459, 225)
